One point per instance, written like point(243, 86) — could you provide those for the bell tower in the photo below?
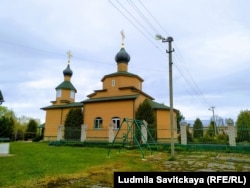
point(65, 92)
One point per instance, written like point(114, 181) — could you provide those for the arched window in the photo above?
point(98, 123)
point(116, 121)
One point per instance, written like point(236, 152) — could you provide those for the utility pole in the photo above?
point(169, 51)
point(212, 109)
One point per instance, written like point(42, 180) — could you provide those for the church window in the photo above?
point(116, 121)
point(58, 93)
point(113, 83)
point(72, 94)
point(98, 122)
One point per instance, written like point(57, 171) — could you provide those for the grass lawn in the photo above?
point(39, 165)
point(36, 164)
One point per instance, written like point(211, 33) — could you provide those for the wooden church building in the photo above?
point(120, 96)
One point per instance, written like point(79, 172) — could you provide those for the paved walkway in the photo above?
point(209, 162)
point(201, 162)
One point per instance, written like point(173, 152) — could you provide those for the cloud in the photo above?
point(211, 43)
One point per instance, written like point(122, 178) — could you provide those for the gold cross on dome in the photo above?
point(69, 55)
point(123, 36)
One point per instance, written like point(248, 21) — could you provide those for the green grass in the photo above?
point(36, 163)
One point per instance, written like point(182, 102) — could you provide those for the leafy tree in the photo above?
point(6, 127)
point(73, 123)
point(243, 126)
point(179, 117)
point(31, 130)
point(198, 129)
point(7, 122)
point(4, 111)
point(146, 112)
point(211, 130)
point(18, 125)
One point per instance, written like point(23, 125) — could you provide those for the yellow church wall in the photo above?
point(163, 125)
point(65, 95)
point(130, 81)
point(113, 83)
point(106, 110)
point(114, 93)
point(54, 118)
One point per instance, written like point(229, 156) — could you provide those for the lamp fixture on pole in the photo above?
point(169, 51)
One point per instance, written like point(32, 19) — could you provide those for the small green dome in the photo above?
point(122, 56)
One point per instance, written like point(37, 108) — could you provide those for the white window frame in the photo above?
point(113, 83)
point(98, 123)
point(117, 122)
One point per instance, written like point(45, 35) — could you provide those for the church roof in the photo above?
point(122, 56)
point(114, 98)
point(69, 105)
point(67, 71)
point(156, 105)
point(122, 73)
point(66, 85)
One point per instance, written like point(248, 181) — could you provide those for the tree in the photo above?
point(180, 118)
point(7, 122)
point(18, 125)
point(4, 111)
point(6, 127)
point(197, 129)
point(146, 112)
point(31, 130)
point(73, 123)
point(243, 126)
point(211, 130)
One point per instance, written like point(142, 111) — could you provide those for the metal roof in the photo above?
point(114, 98)
point(73, 104)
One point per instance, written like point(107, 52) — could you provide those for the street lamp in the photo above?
point(212, 109)
point(169, 51)
point(1, 98)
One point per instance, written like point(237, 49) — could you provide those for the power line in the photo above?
point(184, 73)
point(131, 21)
point(142, 15)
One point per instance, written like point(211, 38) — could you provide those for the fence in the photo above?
point(106, 135)
point(226, 135)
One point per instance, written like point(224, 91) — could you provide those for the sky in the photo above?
point(211, 58)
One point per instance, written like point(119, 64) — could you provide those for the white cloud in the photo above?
point(211, 58)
